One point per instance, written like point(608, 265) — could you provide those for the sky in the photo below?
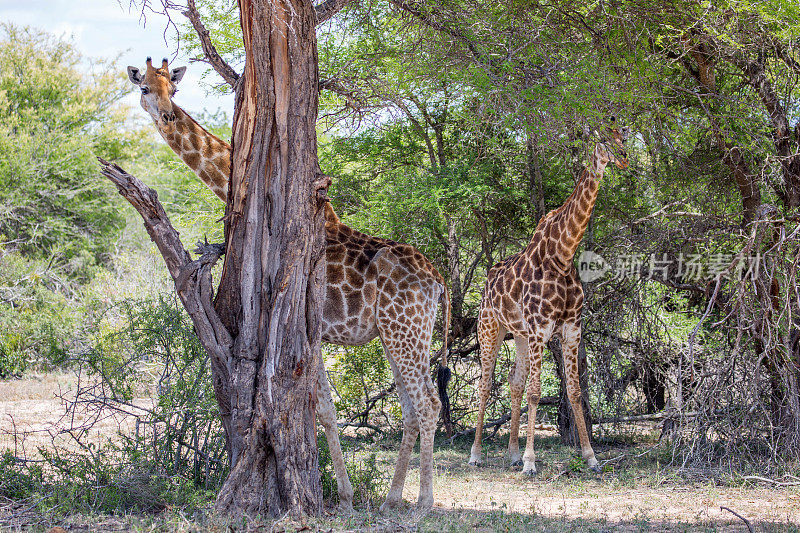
point(106, 28)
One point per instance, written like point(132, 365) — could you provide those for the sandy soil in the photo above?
point(610, 497)
point(33, 413)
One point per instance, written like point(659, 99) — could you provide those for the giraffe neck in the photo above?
point(210, 158)
point(564, 227)
point(205, 153)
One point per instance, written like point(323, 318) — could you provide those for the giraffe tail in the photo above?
point(443, 374)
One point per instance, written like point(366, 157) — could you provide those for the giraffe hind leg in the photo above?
point(516, 383)
point(411, 428)
point(428, 410)
point(490, 337)
point(420, 405)
point(571, 339)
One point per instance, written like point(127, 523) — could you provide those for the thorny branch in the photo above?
point(192, 278)
point(212, 57)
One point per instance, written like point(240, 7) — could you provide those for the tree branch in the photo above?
point(355, 100)
point(495, 424)
point(419, 12)
point(213, 58)
point(192, 278)
point(327, 9)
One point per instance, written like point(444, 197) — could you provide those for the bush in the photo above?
point(53, 118)
point(36, 321)
point(168, 451)
point(369, 483)
point(363, 382)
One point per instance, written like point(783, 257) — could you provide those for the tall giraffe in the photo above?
point(536, 294)
point(374, 288)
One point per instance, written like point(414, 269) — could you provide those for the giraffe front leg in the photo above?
point(326, 413)
point(490, 337)
point(535, 348)
point(571, 337)
point(516, 382)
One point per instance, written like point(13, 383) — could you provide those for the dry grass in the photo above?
point(635, 492)
point(32, 415)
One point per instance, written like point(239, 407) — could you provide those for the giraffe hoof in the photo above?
point(389, 505)
point(516, 464)
point(596, 469)
point(424, 505)
point(530, 473)
point(475, 462)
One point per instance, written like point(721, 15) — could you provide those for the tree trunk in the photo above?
point(535, 181)
point(654, 387)
point(270, 297)
point(456, 290)
point(566, 418)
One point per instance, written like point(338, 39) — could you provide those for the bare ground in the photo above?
point(32, 415)
point(634, 493)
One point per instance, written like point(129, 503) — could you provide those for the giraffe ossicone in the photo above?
point(374, 288)
point(536, 294)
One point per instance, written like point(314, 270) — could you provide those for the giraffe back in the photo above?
point(367, 276)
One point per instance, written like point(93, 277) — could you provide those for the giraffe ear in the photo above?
point(135, 75)
point(176, 74)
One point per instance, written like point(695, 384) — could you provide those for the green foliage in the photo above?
point(36, 321)
point(19, 479)
point(58, 217)
point(54, 118)
point(358, 374)
point(368, 481)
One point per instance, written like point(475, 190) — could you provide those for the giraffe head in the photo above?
point(611, 146)
point(158, 86)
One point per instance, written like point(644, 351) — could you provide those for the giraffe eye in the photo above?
point(145, 90)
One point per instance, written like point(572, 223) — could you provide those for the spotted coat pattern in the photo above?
point(374, 288)
point(535, 294)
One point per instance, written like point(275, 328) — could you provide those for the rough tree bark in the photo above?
point(263, 331)
point(535, 181)
point(270, 295)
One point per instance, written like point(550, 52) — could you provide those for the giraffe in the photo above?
point(374, 288)
point(535, 294)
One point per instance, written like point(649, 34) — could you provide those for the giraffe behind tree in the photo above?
point(536, 294)
point(374, 288)
point(205, 153)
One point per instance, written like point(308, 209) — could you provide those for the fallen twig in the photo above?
point(495, 424)
point(740, 517)
point(624, 455)
point(772, 481)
